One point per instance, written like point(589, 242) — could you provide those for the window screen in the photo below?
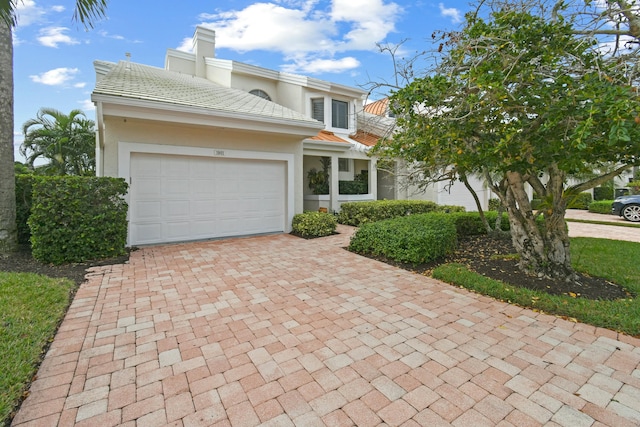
point(317, 109)
point(339, 114)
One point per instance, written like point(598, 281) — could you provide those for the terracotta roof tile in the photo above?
point(379, 108)
point(325, 135)
point(365, 138)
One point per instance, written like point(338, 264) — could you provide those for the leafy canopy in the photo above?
point(519, 93)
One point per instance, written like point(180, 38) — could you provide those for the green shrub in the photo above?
point(358, 213)
point(314, 224)
point(535, 204)
point(634, 187)
point(75, 219)
point(494, 204)
point(580, 201)
point(470, 224)
point(601, 206)
point(353, 187)
point(603, 193)
point(410, 239)
point(24, 184)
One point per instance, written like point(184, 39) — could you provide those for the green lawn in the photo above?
point(31, 307)
point(615, 260)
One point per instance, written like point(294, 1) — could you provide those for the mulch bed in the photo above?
point(22, 262)
point(493, 257)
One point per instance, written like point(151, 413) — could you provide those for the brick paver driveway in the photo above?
point(281, 331)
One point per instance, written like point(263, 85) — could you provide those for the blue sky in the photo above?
point(330, 40)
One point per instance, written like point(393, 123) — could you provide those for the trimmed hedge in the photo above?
point(24, 184)
point(313, 224)
point(75, 219)
point(601, 206)
point(409, 239)
point(580, 201)
point(603, 193)
point(470, 224)
point(353, 187)
point(358, 213)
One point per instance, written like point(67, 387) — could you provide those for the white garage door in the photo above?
point(179, 198)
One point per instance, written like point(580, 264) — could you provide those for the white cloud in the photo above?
point(87, 105)
point(80, 85)
point(28, 12)
point(451, 12)
point(55, 77)
point(53, 36)
point(322, 65)
point(306, 32)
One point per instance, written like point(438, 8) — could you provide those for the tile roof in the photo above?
point(379, 108)
point(325, 135)
point(142, 82)
point(365, 138)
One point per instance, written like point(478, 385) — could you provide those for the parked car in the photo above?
point(627, 207)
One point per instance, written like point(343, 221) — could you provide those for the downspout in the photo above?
point(99, 140)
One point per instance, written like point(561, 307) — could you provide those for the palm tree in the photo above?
point(66, 141)
point(85, 12)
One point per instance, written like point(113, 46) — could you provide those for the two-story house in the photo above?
point(214, 148)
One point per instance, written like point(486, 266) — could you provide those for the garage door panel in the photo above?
point(179, 198)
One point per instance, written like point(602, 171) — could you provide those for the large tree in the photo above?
point(65, 142)
point(85, 12)
point(523, 99)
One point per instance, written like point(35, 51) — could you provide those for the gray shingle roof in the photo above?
point(137, 81)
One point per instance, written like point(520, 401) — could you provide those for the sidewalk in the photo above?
point(616, 231)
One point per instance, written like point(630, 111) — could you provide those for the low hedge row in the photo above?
point(75, 219)
point(358, 213)
point(420, 238)
point(601, 206)
point(313, 224)
point(411, 239)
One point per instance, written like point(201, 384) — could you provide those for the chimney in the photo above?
point(204, 46)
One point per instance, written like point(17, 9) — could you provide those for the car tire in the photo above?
point(631, 213)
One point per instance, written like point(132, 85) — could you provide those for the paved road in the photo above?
point(577, 229)
point(281, 331)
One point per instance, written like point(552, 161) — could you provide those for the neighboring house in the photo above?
point(394, 181)
point(214, 148)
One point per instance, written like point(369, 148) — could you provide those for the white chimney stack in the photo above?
point(204, 46)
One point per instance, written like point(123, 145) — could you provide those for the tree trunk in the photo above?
point(543, 252)
point(8, 230)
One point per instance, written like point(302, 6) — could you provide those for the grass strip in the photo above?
point(31, 308)
point(616, 261)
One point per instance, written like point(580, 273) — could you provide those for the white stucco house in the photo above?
point(394, 183)
point(214, 148)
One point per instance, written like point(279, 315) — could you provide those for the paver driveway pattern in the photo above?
point(281, 331)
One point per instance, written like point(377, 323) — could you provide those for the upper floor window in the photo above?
point(262, 94)
point(335, 110)
point(339, 114)
point(317, 109)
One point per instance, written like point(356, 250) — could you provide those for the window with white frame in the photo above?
point(262, 94)
point(344, 165)
point(339, 114)
point(339, 111)
point(317, 109)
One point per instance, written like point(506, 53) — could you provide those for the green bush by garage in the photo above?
point(313, 224)
point(75, 219)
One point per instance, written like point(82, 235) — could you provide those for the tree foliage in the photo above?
point(66, 142)
point(520, 97)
